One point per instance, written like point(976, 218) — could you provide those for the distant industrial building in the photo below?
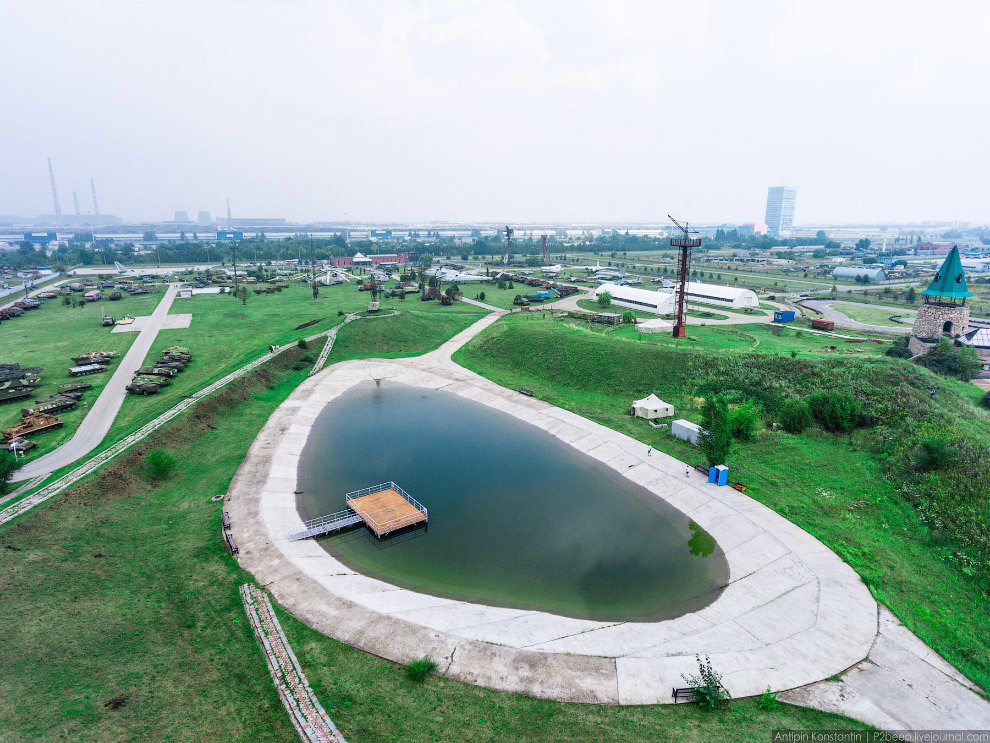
point(204, 218)
point(664, 302)
point(225, 236)
point(873, 273)
point(180, 216)
point(372, 261)
point(780, 210)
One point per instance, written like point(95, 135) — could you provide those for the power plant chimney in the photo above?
point(75, 200)
point(58, 207)
point(228, 208)
point(96, 207)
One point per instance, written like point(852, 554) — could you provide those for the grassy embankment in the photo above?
point(121, 618)
point(918, 538)
point(48, 337)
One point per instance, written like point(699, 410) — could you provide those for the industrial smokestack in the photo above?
point(228, 208)
point(96, 207)
point(58, 207)
point(75, 200)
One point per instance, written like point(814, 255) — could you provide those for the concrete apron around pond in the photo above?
point(792, 613)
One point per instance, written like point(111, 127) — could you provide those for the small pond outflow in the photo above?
point(518, 518)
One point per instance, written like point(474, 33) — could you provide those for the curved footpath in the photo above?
point(734, 318)
point(792, 614)
point(844, 321)
point(101, 416)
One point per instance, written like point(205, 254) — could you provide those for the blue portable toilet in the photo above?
point(783, 316)
point(712, 474)
point(721, 474)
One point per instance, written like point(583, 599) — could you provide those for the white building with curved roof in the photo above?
point(665, 302)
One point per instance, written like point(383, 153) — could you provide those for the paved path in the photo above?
point(45, 288)
point(792, 613)
point(844, 321)
point(101, 416)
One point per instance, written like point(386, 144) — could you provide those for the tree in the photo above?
point(715, 440)
point(863, 243)
point(835, 411)
point(795, 415)
point(911, 295)
point(604, 300)
point(149, 236)
point(8, 466)
point(629, 317)
point(744, 421)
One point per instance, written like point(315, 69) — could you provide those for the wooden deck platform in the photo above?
point(386, 510)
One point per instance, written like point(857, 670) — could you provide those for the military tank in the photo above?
point(30, 426)
point(78, 371)
point(21, 445)
point(15, 394)
point(158, 371)
point(16, 371)
point(74, 387)
point(114, 296)
point(178, 349)
point(50, 405)
point(142, 387)
point(160, 381)
point(94, 357)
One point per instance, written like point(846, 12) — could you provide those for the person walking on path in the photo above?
point(687, 471)
point(649, 451)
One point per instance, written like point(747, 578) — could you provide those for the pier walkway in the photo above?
point(384, 508)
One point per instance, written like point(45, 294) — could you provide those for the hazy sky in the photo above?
point(576, 110)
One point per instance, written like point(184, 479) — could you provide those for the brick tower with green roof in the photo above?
point(944, 312)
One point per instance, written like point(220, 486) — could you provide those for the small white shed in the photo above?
point(686, 430)
point(652, 407)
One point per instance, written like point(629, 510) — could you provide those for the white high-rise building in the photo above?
point(780, 210)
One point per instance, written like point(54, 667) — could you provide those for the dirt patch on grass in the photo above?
point(309, 324)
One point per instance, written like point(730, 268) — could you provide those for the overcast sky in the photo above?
point(576, 110)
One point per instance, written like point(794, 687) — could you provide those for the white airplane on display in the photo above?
point(552, 270)
point(597, 267)
point(457, 277)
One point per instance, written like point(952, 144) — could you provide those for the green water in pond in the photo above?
point(517, 518)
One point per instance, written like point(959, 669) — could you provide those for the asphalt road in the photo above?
point(104, 411)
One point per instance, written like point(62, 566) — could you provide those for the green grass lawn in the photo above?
point(48, 337)
point(121, 589)
point(757, 337)
point(869, 315)
point(833, 486)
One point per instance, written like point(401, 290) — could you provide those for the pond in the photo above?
point(517, 517)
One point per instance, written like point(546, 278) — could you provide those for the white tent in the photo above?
point(652, 407)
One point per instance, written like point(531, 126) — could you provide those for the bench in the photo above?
point(657, 425)
point(229, 538)
point(524, 391)
point(225, 520)
point(739, 486)
point(703, 469)
point(687, 693)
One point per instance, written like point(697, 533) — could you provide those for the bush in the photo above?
point(340, 313)
point(985, 400)
point(962, 363)
point(303, 344)
point(769, 700)
point(795, 415)
point(161, 464)
point(604, 300)
point(934, 452)
point(715, 440)
point(744, 421)
point(420, 668)
point(481, 296)
point(835, 411)
point(707, 685)
point(898, 352)
point(629, 317)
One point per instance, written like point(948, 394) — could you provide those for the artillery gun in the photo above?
point(30, 426)
point(142, 387)
point(50, 405)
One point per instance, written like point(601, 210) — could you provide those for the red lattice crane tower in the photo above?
point(546, 255)
point(685, 243)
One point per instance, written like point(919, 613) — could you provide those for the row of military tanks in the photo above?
point(17, 383)
point(150, 379)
